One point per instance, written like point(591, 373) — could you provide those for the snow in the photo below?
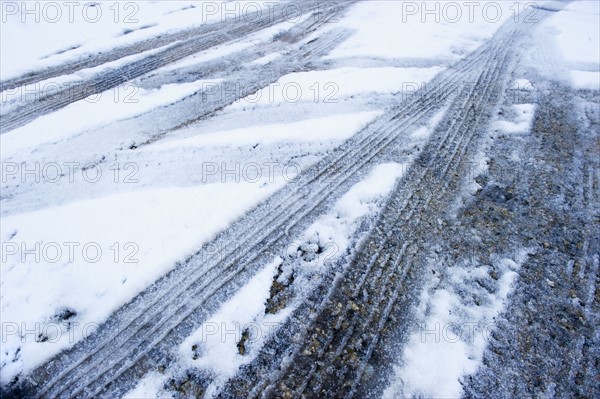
point(255, 39)
point(522, 84)
point(56, 32)
point(267, 59)
point(336, 228)
point(54, 28)
point(169, 216)
point(216, 340)
point(585, 80)
point(331, 128)
point(574, 32)
point(96, 285)
point(149, 387)
point(403, 30)
point(37, 90)
point(208, 55)
point(92, 112)
point(448, 341)
point(329, 86)
point(521, 120)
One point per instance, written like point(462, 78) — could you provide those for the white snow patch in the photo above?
point(216, 340)
point(585, 80)
point(522, 84)
point(575, 31)
point(155, 227)
point(86, 29)
point(336, 228)
point(208, 55)
point(329, 86)
point(149, 387)
point(335, 127)
point(267, 59)
point(37, 90)
point(450, 341)
point(522, 119)
point(93, 112)
point(399, 29)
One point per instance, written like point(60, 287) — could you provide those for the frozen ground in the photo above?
point(300, 199)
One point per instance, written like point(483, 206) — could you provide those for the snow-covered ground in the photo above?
point(574, 33)
point(91, 217)
point(57, 32)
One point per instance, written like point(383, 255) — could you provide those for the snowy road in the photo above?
point(304, 205)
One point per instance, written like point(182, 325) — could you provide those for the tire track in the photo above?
point(146, 328)
point(549, 330)
point(323, 358)
point(23, 114)
point(160, 41)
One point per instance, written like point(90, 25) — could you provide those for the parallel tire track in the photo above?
point(161, 41)
point(147, 326)
point(110, 79)
point(336, 345)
